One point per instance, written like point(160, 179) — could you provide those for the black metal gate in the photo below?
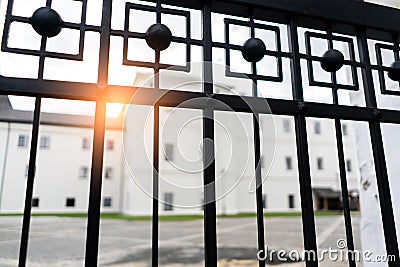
point(337, 19)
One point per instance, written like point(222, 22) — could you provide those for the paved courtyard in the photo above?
point(57, 241)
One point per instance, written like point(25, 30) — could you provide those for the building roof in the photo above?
point(8, 114)
point(327, 193)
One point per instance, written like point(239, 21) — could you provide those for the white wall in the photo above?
point(57, 169)
point(234, 158)
point(5, 129)
point(15, 180)
point(57, 174)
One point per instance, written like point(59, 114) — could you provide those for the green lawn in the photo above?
point(178, 217)
point(281, 214)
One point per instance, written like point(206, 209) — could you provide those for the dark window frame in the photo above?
point(291, 201)
point(287, 126)
point(265, 201)
point(23, 140)
point(349, 166)
point(107, 202)
point(84, 172)
point(168, 201)
point(70, 202)
point(110, 144)
point(345, 129)
point(289, 163)
point(35, 202)
point(45, 142)
point(86, 143)
point(169, 149)
point(108, 173)
point(317, 127)
point(320, 163)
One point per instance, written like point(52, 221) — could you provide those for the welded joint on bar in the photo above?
point(209, 97)
point(102, 89)
point(301, 106)
point(377, 113)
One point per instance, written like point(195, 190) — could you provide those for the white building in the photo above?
point(64, 156)
point(181, 161)
point(63, 162)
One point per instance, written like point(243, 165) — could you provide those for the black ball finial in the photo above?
point(158, 37)
point(46, 22)
point(332, 60)
point(394, 71)
point(253, 50)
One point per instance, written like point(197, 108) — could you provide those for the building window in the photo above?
point(35, 202)
point(320, 164)
point(108, 173)
point(348, 165)
point(168, 201)
point(45, 142)
point(345, 130)
point(291, 201)
point(110, 144)
point(289, 165)
point(317, 127)
point(107, 202)
point(70, 202)
point(85, 143)
point(264, 201)
point(83, 172)
point(286, 126)
point(261, 163)
point(23, 140)
point(169, 152)
point(27, 170)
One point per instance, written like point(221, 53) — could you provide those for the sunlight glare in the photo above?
point(63, 106)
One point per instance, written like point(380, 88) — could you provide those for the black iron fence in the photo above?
point(349, 21)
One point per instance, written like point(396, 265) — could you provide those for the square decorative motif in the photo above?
point(81, 28)
point(312, 58)
point(385, 69)
point(127, 34)
point(277, 53)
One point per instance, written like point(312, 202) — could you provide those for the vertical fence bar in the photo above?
point(92, 239)
point(259, 191)
point(342, 167)
point(307, 206)
point(210, 218)
point(23, 249)
point(385, 198)
point(156, 171)
point(43, 43)
point(93, 224)
point(155, 217)
point(257, 161)
point(156, 159)
point(345, 193)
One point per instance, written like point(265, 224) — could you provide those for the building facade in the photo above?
point(63, 162)
point(180, 173)
point(64, 156)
